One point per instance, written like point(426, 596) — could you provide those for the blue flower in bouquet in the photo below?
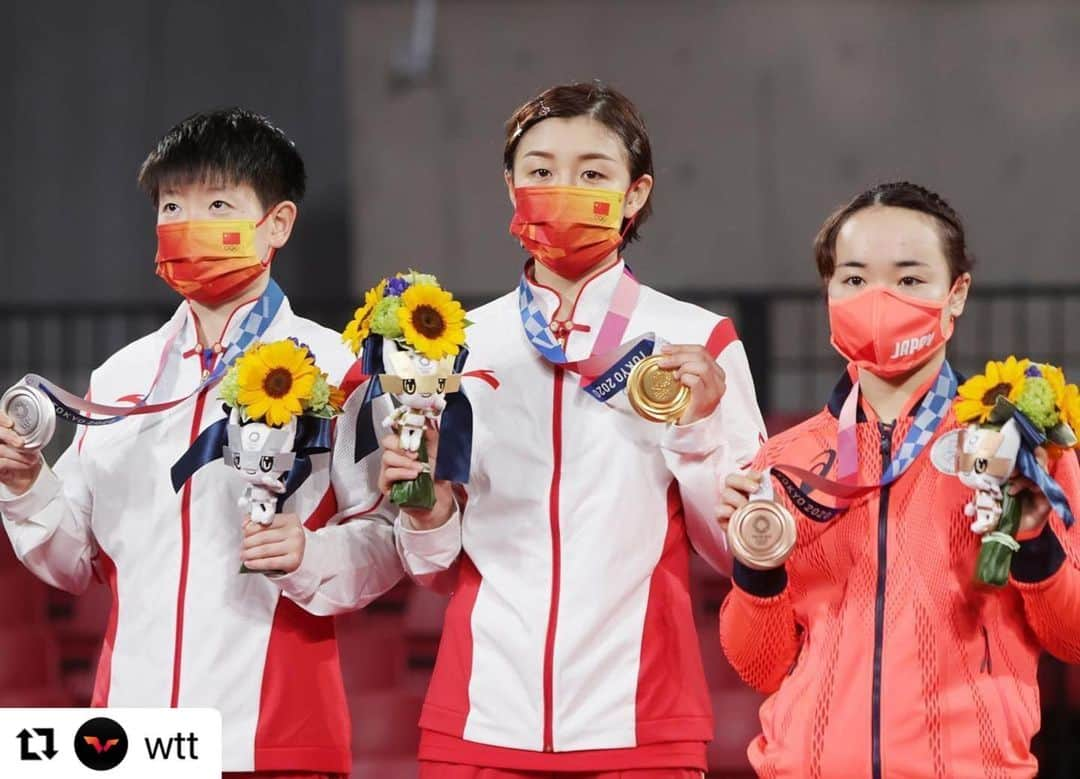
point(396, 286)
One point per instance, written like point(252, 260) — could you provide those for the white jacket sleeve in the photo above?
point(352, 560)
point(430, 556)
point(49, 524)
point(700, 455)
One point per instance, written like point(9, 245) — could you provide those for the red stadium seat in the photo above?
point(718, 671)
point(89, 612)
point(736, 715)
point(28, 658)
point(423, 627)
point(424, 612)
point(23, 597)
point(36, 698)
point(385, 723)
point(394, 601)
point(372, 650)
point(383, 768)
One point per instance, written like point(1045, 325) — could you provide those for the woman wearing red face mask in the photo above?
point(881, 655)
point(569, 643)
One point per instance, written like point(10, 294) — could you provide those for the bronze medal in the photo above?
point(655, 393)
point(761, 534)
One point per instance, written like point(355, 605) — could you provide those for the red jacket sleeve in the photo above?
point(1046, 570)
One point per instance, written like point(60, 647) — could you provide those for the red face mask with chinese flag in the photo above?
point(568, 229)
point(209, 261)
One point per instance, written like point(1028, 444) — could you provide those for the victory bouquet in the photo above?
point(410, 337)
point(1010, 411)
point(277, 397)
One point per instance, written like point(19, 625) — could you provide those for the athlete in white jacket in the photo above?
point(186, 628)
point(569, 642)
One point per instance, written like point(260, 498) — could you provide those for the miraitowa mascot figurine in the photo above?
point(1012, 414)
point(419, 384)
point(262, 455)
point(985, 460)
point(410, 336)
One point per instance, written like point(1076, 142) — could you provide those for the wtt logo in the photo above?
point(162, 748)
point(101, 744)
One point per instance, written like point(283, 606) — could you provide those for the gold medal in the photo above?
point(761, 534)
point(655, 393)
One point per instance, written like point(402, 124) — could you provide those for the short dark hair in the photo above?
point(606, 105)
point(230, 146)
point(899, 194)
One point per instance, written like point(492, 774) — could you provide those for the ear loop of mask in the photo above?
point(630, 219)
point(948, 305)
point(270, 254)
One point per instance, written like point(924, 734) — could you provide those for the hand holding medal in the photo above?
point(760, 531)
point(20, 433)
point(681, 384)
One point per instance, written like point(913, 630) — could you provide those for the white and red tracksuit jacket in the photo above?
point(186, 628)
point(569, 642)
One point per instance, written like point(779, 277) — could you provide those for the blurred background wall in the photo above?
point(763, 117)
point(91, 87)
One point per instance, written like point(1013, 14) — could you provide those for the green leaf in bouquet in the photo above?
point(995, 556)
point(1002, 412)
point(418, 492)
point(1062, 435)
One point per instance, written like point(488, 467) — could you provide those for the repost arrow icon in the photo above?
point(24, 746)
point(48, 733)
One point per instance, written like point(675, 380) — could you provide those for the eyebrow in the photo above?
point(597, 156)
point(589, 156)
point(897, 264)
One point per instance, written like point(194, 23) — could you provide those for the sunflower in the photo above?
point(275, 381)
point(976, 396)
point(1070, 407)
point(1056, 377)
point(432, 321)
point(357, 330)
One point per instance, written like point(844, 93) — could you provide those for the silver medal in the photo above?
point(32, 413)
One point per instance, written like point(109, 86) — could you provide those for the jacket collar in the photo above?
point(843, 389)
point(186, 319)
point(587, 313)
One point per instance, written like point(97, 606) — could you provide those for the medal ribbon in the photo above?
point(75, 409)
point(605, 371)
point(933, 409)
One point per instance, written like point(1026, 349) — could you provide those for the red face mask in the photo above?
point(568, 229)
point(209, 261)
point(887, 333)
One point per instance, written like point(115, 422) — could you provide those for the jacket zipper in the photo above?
point(185, 545)
point(556, 561)
point(886, 432)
